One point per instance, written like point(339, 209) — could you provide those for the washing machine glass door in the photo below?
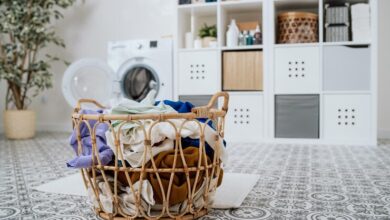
point(90, 79)
point(138, 81)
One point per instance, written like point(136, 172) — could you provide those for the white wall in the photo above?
point(86, 29)
point(384, 69)
point(89, 26)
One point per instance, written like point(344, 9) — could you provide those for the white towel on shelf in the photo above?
point(361, 27)
point(361, 10)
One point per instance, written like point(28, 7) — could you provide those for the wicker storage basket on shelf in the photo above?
point(297, 27)
point(208, 168)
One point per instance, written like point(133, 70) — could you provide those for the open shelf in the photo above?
point(198, 7)
point(347, 43)
point(341, 23)
point(304, 5)
point(241, 5)
point(344, 1)
point(297, 45)
point(282, 6)
point(251, 47)
point(242, 12)
point(192, 17)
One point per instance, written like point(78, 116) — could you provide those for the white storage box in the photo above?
point(297, 70)
point(347, 117)
point(245, 118)
point(346, 68)
point(198, 73)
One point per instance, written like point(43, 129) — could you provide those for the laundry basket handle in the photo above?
point(203, 111)
point(82, 101)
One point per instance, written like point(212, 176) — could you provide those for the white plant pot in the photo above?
point(19, 124)
point(206, 41)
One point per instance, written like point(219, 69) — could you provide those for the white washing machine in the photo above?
point(134, 68)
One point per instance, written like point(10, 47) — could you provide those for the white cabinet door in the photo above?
point(347, 117)
point(198, 73)
point(297, 70)
point(244, 120)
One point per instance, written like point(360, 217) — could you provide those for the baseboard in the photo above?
point(54, 127)
point(384, 134)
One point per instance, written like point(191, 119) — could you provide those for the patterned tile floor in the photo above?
point(297, 181)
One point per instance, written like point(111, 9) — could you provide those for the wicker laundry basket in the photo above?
point(297, 27)
point(208, 168)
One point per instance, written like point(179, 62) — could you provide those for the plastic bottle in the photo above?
point(258, 37)
point(248, 38)
point(232, 34)
point(241, 39)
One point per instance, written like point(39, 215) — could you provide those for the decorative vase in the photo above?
point(206, 41)
point(19, 124)
point(189, 40)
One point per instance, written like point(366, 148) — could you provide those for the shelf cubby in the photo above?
point(241, 11)
point(192, 17)
point(349, 24)
point(281, 6)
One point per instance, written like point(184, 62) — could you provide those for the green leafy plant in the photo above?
point(208, 31)
point(26, 28)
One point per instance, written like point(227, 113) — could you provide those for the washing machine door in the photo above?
point(138, 79)
point(88, 78)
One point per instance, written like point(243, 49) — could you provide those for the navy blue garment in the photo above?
point(185, 107)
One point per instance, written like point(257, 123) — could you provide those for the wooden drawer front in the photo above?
point(297, 70)
point(243, 70)
point(347, 117)
point(198, 73)
point(245, 119)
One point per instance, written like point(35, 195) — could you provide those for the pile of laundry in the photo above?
point(132, 146)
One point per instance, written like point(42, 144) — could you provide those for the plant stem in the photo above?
point(16, 95)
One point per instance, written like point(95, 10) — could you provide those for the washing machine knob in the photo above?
point(139, 46)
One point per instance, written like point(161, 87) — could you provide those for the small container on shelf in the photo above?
point(337, 14)
point(337, 22)
point(337, 33)
point(297, 27)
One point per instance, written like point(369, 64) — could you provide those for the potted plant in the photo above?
point(208, 34)
point(25, 31)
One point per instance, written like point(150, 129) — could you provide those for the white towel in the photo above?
point(232, 192)
point(234, 189)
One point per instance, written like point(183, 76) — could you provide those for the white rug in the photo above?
point(232, 192)
point(70, 185)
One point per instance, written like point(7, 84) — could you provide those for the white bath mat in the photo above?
point(234, 189)
point(70, 185)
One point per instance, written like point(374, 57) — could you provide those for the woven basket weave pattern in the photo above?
point(297, 27)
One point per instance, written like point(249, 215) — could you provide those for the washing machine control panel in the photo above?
point(153, 44)
point(139, 46)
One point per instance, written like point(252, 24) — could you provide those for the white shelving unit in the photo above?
point(340, 76)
